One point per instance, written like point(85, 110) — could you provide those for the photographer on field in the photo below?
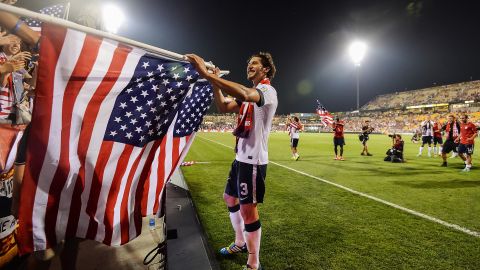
point(395, 154)
point(363, 137)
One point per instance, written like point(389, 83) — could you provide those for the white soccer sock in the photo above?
point(237, 224)
point(420, 150)
point(253, 245)
point(435, 150)
point(429, 150)
point(468, 166)
point(440, 149)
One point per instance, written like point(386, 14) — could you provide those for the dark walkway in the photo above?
point(188, 251)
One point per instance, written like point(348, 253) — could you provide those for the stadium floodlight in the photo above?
point(112, 18)
point(357, 51)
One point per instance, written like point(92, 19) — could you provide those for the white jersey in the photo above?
point(254, 149)
point(294, 130)
point(427, 128)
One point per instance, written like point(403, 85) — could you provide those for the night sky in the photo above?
point(411, 44)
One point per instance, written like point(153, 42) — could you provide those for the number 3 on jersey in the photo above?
point(244, 189)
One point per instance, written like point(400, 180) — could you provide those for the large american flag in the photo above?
point(110, 125)
point(325, 117)
point(59, 11)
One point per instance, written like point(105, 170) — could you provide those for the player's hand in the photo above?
point(216, 72)
point(22, 56)
point(199, 64)
point(11, 66)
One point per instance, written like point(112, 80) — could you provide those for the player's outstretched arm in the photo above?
point(223, 105)
point(16, 26)
point(234, 89)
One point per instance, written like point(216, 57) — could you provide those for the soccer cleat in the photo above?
point(419, 155)
point(232, 249)
point(444, 164)
point(368, 154)
point(363, 154)
point(297, 157)
point(293, 158)
point(341, 158)
point(453, 155)
point(336, 158)
point(466, 169)
point(248, 267)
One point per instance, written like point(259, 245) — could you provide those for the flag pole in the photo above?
point(68, 24)
point(67, 11)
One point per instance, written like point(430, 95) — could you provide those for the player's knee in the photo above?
point(230, 200)
point(249, 213)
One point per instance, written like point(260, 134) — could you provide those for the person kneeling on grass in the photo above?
point(395, 154)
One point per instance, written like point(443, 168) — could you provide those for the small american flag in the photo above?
point(111, 123)
point(59, 11)
point(6, 102)
point(325, 117)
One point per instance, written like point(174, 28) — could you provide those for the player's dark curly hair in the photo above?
point(267, 61)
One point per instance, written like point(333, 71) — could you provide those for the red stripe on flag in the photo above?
point(145, 189)
point(82, 69)
point(88, 123)
point(97, 180)
point(160, 173)
point(113, 193)
point(175, 155)
point(124, 217)
point(142, 188)
point(49, 53)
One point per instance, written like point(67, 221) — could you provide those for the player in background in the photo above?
point(427, 136)
point(452, 130)
point(338, 138)
point(468, 132)
point(437, 139)
point(294, 128)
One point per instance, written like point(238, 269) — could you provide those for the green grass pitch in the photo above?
point(308, 224)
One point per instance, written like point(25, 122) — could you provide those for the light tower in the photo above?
point(357, 52)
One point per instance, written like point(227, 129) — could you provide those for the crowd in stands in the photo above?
point(17, 84)
point(383, 122)
point(228, 122)
point(388, 113)
point(452, 93)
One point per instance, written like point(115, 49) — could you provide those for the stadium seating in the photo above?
point(452, 93)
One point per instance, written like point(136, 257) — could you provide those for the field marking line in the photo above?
point(410, 211)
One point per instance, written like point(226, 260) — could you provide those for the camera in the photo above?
point(391, 135)
point(31, 64)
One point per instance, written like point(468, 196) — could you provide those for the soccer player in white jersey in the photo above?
point(427, 136)
point(245, 187)
point(294, 128)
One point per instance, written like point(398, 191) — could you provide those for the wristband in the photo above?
point(17, 27)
